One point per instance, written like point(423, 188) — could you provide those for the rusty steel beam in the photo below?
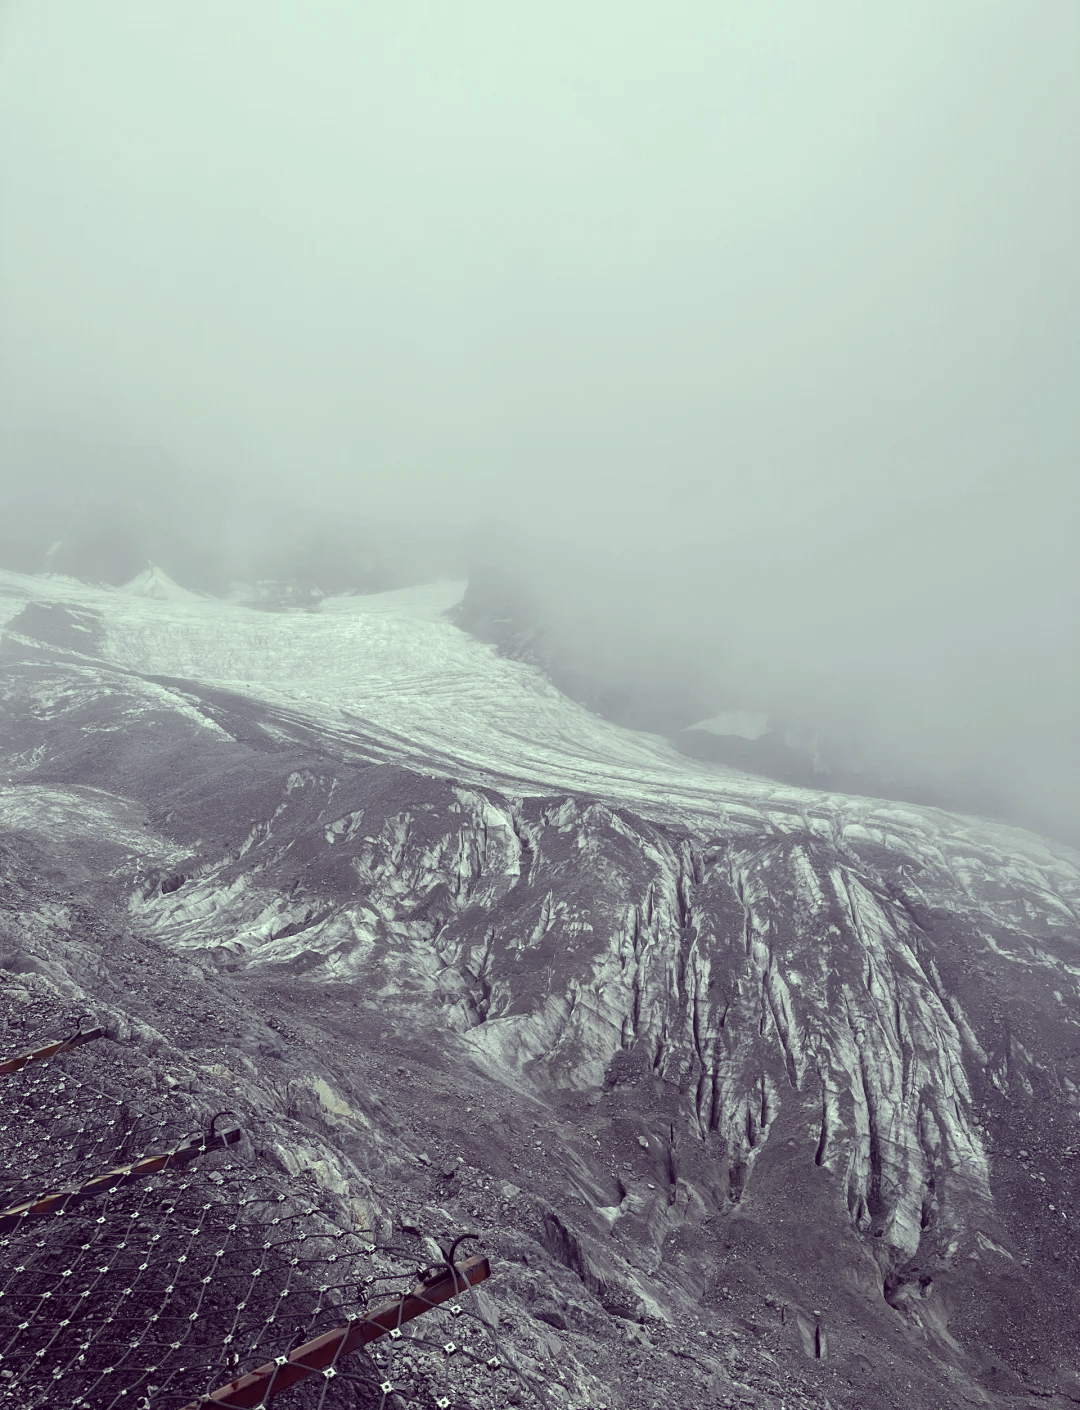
point(323, 1354)
point(63, 1200)
point(52, 1050)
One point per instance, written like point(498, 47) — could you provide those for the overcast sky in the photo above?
point(793, 283)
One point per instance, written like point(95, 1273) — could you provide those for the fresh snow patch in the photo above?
point(153, 582)
point(745, 724)
point(424, 603)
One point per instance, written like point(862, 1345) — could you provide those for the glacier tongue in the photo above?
point(755, 975)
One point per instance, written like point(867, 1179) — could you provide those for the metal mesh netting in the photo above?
point(156, 1293)
point(64, 1121)
point(166, 1290)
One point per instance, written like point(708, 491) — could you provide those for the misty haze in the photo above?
point(428, 433)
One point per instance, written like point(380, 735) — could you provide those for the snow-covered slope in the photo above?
point(392, 668)
point(154, 583)
point(391, 664)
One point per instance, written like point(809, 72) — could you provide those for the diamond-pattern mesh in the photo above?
point(153, 1294)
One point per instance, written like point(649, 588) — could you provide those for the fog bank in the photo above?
point(750, 336)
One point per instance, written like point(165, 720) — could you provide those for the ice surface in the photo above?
point(393, 669)
point(66, 819)
point(12, 598)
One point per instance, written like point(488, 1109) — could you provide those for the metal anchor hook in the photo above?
point(440, 1270)
point(301, 1335)
point(79, 1023)
point(213, 1134)
point(448, 1254)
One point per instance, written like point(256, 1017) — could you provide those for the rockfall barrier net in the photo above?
point(145, 1263)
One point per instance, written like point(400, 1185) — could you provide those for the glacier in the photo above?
point(843, 1030)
